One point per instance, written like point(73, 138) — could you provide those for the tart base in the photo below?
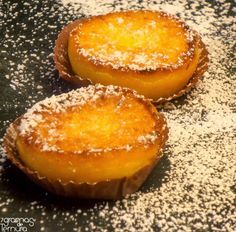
point(108, 189)
point(63, 65)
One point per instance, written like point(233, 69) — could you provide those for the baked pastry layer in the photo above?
point(91, 134)
point(152, 52)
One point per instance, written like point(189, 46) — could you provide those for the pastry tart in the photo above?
point(94, 142)
point(151, 52)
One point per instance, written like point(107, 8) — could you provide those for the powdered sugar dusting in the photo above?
point(193, 188)
point(197, 193)
point(76, 99)
point(142, 53)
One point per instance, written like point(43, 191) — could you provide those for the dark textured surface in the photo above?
point(38, 72)
point(28, 31)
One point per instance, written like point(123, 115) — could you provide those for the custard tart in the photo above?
point(95, 142)
point(152, 52)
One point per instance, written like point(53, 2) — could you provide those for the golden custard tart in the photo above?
point(152, 52)
point(94, 142)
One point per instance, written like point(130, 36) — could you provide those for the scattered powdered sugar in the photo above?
point(112, 52)
point(75, 99)
point(197, 193)
point(151, 137)
point(193, 187)
point(60, 103)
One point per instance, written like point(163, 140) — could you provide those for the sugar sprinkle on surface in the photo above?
point(194, 187)
point(42, 111)
point(111, 51)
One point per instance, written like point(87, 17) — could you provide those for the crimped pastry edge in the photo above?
point(64, 68)
point(108, 189)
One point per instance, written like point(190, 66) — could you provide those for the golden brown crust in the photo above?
point(65, 70)
point(112, 188)
point(49, 108)
point(108, 189)
point(186, 57)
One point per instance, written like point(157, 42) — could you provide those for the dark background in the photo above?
point(28, 32)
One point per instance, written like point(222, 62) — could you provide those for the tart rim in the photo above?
point(64, 68)
point(114, 188)
point(15, 156)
